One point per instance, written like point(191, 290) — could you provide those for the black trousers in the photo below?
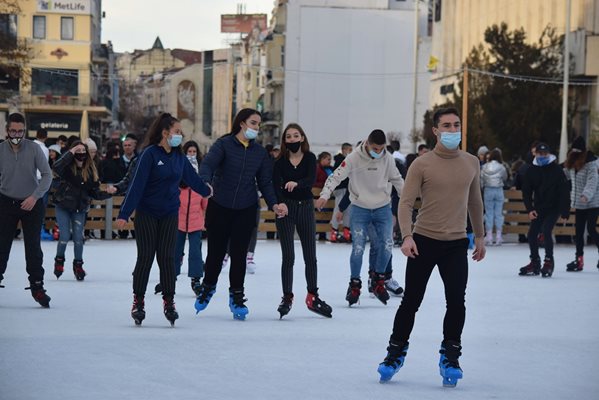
point(155, 237)
point(226, 226)
point(544, 223)
point(586, 218)
point(300, 217)
point(452, 259)
point(31, 222)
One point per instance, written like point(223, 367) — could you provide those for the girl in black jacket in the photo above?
point(79, 184)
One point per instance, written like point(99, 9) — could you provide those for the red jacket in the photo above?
point(192, 210)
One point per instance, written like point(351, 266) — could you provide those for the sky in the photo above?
point(187, 24)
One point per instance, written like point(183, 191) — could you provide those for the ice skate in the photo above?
point(58, 266)
point(285, 306)
point(532, 269)
point(316, 305)
point(378, 288)
point(196, 284)
point(576, 265)
point(78, 270)
point(39, 294)
point(138, 313)
point(392, 286)
point(353, 291)
point(203, 298)
point(547, 269)
point(396, 355)
point(170, 312)
point(250, 264)
point(449, 367)
point(237, 304)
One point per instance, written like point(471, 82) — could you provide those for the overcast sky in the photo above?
point(186, 24)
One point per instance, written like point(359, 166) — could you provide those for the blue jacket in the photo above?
point(234, 171)
point(154, 188)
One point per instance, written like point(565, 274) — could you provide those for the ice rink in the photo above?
point(525, 337)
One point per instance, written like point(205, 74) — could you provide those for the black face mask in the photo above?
point(81, 156)
point(293, 147)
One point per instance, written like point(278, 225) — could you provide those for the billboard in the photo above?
point(242, 23)
point(64, 6)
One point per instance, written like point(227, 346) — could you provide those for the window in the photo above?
point(67, 28)
point(39, 27)
point(57, 82)
point(437, 10)
point(283, 56)
point(8, 29)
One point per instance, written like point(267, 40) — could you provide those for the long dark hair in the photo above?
point(88, 168)
point(576, 159)
point(163, 122)
point(305, 145)
point(193, 143)
point(242, 116)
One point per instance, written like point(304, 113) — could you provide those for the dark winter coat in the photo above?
point(111, 170)
point(546, 190)
point(233, 170)
point(73, 193)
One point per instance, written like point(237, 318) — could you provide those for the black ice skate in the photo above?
point(58, 266)
point(78, 270)
point(285, 306)
point(378, 288)
point(575, 265)
point(547, 269)
point(353, 291)
point(196, 284)
point(532, 269)
point(138, 313)
point(39, 294)
point(158, 288)
point(316, 305)
point(170, 312)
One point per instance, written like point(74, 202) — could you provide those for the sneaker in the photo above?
point(58, 266)
point(396, 355)
point(138, 313)
point(78, 270)
point(39, 294)
point(533, 268)
point(378, 288)
point(547, 269)
point(449, 366)
point(170, 312)
point(203, 298)
point(353, 291)
point(316, 305)
point(196, 284)
point(285, 306)
point(575, 265)
point(489, 239)
point(250, 264)
point(237, 304)
point(393, 287)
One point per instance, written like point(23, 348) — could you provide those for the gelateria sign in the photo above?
point(64, 6)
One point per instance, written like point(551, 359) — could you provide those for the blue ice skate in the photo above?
point(205, 294)
point(449, 367)
point(396, 354)
point(236, 304)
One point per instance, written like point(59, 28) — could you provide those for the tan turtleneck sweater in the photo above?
point(448, 182)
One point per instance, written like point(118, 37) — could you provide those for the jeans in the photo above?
point(493, 198)
point(373, 255)
point(70, 221)
point(382, 222)
point(195, 263)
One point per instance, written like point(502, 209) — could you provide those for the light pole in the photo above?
point(563, 143)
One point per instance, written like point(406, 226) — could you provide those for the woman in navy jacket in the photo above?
point(154, 195)
point(234, 164)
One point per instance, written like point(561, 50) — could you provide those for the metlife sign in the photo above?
point(64, 6)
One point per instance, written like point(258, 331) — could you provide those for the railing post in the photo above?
point(108, 219)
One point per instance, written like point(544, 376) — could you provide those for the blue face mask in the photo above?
point(376, 155)
point(542, 160)
point(250, 134)
point(451, 140)
point(174, 140)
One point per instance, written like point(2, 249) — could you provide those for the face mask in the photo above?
point(375, 155)
point(451, 140)
point(542, 160)
point(15, 141)
point(191, 158)
point(80, 156)
point(250, 134)
point(174, 140)
point(293, 147)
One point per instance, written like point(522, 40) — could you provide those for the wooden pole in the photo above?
point(465, 111)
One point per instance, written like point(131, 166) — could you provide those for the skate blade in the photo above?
point(449, 382)
point(137, 322)
point(326, 315)
point(239, 317)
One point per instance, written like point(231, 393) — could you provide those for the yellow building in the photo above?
point(64, 38)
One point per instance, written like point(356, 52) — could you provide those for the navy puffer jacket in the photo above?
point(233, 171)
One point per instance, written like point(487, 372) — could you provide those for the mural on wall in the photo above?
point(186, 100)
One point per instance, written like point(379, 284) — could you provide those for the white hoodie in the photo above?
point(370, 179)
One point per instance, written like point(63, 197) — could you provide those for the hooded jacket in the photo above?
point(493, 174)
point(545, 189)
point(370, 179)
point(584, 183)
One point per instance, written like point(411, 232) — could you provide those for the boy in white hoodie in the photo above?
point(372, 172)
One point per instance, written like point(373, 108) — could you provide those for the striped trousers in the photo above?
point(300, 217)
point(155, 237)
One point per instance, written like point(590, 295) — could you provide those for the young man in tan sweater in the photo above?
point(448, 182)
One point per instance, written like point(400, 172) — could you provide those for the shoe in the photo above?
point(250, 265)
point(576, 265)
point(170, 312)
point(39, 294)
point(347, 235)
point(78, 270)
point(547, 269)
point(533, 268)
point(396, 355)
point(334, 235)
point(138, 313)
point(353, 291)
point(449, 366)
point(489, 239)
point(203, 298)
point(58, 266)
point(498, 239)
point(237, 304)
point(378, 288)
point(196, 284)
point(285, 306)
point(316, 305)
point(393, 287)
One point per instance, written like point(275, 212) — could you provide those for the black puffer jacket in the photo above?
point(73, 193)
point(546, 190)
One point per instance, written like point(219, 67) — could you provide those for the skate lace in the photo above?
point(393, 359)
point(205, 293)
point(238, 299)
point(169, 306)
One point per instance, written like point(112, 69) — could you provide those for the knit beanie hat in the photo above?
point(482, 150)
point(579, 144)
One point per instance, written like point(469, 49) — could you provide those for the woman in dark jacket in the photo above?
point(79, 184)
point(111, 170)
point(234, 164)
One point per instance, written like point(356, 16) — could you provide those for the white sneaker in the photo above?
point(393, 287)
point(250, 264)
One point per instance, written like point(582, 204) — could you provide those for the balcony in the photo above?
point(62, 103)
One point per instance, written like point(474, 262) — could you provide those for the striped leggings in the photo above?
point(155, 237)
point(300, 217)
